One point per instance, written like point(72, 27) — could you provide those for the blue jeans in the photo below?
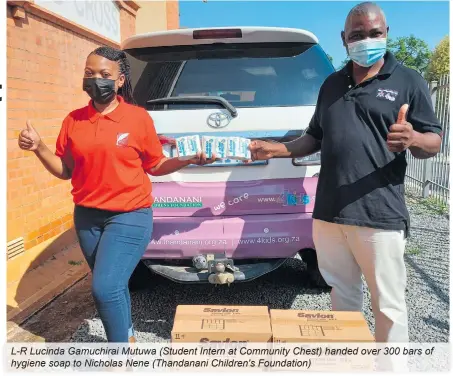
point(113, 244)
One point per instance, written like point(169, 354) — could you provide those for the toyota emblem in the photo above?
point(218, 120)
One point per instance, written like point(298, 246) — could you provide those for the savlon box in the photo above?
point(224, 149)
point(302, 331)
point(221, 147)
point(214, 145)
point(319, 326)
point(187, 147)
point(214, 324)
point(238, 148)
point(208, 145)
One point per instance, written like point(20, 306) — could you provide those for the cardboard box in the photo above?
point(319, 326)
point(206, 324)
point(294, 327)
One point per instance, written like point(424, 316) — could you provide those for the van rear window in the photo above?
point(252, 75)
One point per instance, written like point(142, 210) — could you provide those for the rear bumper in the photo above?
point(245, 237)
point(184, 274)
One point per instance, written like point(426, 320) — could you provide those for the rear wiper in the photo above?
point(201, 99)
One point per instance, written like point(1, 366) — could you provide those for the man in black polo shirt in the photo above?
point(367, 116)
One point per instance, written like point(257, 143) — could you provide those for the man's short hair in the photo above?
point(365, 8)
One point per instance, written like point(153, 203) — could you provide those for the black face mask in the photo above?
point(100, 90)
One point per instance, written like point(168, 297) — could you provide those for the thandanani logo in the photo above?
point(177, 202)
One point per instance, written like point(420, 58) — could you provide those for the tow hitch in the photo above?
point(220, 268)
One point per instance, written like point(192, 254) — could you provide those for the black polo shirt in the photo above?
point(361, 182)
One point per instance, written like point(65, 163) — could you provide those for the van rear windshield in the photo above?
point(246, 75)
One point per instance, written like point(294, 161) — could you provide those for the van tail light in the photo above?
point(164, 140)
point(217, 34)
point(309, 160)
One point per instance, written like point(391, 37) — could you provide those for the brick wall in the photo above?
point(45, 61)
point(127, 24)
point(172, 14)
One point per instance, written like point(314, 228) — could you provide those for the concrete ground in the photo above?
point(59, 320)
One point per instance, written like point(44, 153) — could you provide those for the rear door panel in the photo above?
point(176, 237)
point(275, 186)
point(261, 119)
point(234, 198)
point(238, 237)
point(276, 123)
point(258, 235)
point(272, 84)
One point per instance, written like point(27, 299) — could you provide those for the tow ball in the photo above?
point(220, 269)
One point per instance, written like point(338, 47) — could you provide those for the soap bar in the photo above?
point(238, 148)
point(187, 147)
point(214, 145)
point(209, 145)
point(221, 147)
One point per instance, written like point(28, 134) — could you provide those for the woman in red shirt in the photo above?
point(107, 149)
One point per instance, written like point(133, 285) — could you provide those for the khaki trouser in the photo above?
point(345, 252)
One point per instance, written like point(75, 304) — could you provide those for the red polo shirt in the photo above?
point(108, 156)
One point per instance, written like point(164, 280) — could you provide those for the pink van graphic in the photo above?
point(230, 221)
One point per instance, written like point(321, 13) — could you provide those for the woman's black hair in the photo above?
point(120, 57)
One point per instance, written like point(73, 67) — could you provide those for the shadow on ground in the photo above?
point(36, 319)
point(153, 309)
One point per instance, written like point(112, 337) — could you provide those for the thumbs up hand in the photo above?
point(401, 134)
point(29, 139)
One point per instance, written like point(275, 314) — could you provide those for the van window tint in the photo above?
point(264, 75)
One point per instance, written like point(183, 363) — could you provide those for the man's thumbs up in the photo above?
point(401, 134)
point(402, 114)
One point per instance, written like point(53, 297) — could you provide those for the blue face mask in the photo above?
point(367, 52)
